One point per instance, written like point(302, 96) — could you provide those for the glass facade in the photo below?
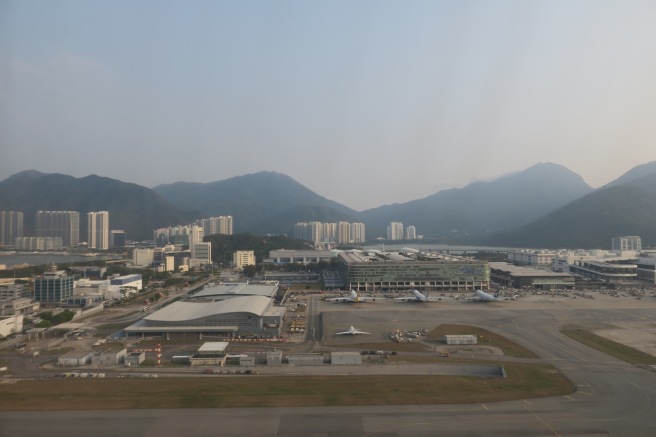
point(53, 287)
point(421, 275)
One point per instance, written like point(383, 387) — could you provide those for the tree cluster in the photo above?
point(48, 319)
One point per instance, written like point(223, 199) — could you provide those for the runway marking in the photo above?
point(647, 397)
point(571, 399)
point(527, 402)
point(541, 420)
point(484, 406)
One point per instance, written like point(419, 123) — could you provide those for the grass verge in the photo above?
point(485, 338)
point(610, 347)
point(523, 381)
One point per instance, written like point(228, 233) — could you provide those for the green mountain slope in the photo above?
point(590, 222)
point(484, 208)
point(252, 200)
point(133, 208)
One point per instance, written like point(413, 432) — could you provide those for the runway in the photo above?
point(613, 398)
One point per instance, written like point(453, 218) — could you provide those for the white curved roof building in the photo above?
point(237, 316)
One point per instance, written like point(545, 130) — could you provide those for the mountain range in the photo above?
point(546, 206)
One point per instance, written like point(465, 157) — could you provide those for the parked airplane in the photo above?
point(354, 298)
point(352, 331)
point(482, 296)
point(417, 297)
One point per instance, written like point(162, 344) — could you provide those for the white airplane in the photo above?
point(352, 331)
point(417, 297)
point(353, 297)
point(482, 296)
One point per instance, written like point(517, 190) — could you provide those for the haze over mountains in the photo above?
point(545, 205)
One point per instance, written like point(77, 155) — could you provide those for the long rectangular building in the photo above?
point(376, 271)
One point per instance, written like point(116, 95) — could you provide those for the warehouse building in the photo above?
point(237, 316)
point(378, 271)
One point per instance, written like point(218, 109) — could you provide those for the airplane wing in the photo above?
point(362, 332)
point(406, 299)
point(370, 299)
point(344, 333)
point(339, 299)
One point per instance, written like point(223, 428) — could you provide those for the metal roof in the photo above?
point(188, 311)
point(213, 346)
point(232, 290)
point(521, 271)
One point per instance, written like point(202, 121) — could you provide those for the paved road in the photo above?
point(613, 398)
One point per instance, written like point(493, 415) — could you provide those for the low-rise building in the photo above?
point(212, 353)
point(646, 268)
point(460, 339)
point(243, 258)
point(18, 306)
point(609, 273)
point(11, 325)
point(110, 357)
point(283, 256)
point(75, 358)
point(345, 358)
point(134, 358)
point(534, 258)
point(510, 275)
point(274, 358)
point(11, 291)
point(305, 359)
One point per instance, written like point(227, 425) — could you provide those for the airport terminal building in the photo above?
point(231, 290)
point(377, 271)
point(510, 275)
point(215, 311)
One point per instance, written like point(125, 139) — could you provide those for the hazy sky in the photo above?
point(364, 102)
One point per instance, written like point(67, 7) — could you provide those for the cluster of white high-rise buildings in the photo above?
point(216, 225)
point(169, 239)
point(11, 226)
point(54, 230)
point(340, 232)
point(194, 232)
point(395, 232)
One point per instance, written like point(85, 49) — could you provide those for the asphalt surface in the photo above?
point(612, 397)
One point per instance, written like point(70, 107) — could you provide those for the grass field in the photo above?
point(398, 347)
point(610, 347)
point(485, 338)
point(523, 381)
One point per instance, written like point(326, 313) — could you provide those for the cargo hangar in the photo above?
point(228, 311)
